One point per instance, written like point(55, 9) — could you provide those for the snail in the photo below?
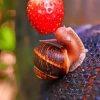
point(56, 57)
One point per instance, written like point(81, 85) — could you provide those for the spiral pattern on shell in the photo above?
point(49, 61)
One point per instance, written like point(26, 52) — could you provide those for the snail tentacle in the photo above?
point(49, 40)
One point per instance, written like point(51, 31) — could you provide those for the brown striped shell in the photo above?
point(49, 61)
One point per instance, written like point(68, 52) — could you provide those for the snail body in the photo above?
point(52, 60)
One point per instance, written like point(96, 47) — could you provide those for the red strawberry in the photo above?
point(45, 15)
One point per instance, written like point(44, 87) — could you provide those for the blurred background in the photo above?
point(13, 16)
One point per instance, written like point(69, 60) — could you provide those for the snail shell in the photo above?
point(51, 61)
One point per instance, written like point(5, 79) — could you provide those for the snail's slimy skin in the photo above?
point(52, 61)
point(73, 44)
point(79, 61)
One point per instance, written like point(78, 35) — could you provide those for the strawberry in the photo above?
point(45, 15)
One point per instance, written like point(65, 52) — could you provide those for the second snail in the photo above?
point(56, 57)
